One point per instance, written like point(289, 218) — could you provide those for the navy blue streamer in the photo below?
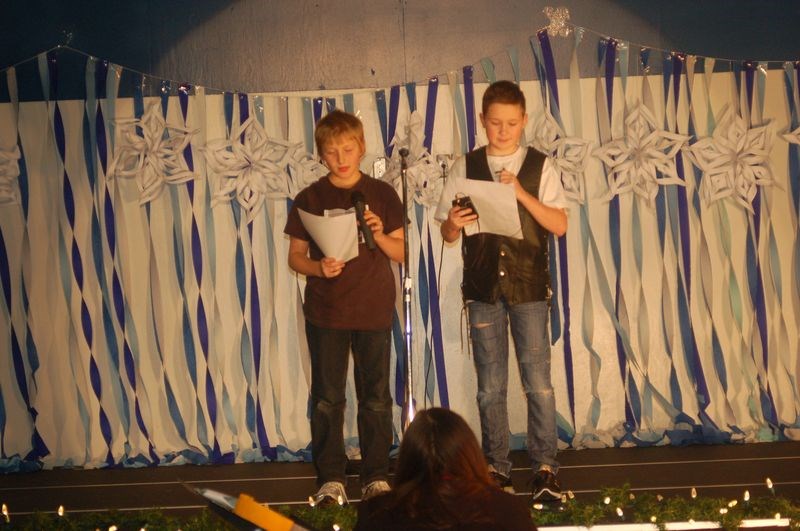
point(77, 261)
point(380, 104)
point(430, 111)
point(755, 274)
point(394, 106)
point(684, 296)
point(563, 293)
point(469, 104)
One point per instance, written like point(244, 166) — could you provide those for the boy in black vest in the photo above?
point(507, 280)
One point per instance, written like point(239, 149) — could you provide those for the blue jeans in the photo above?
point(489, 331)
point(330, 352)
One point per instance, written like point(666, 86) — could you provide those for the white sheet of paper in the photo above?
point(336, 236)
point(496, 204)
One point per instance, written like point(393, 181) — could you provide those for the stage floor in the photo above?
point(714, 471)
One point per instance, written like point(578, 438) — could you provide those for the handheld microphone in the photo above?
point(360, 204)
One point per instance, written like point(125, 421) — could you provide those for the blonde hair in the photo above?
point(338, 124)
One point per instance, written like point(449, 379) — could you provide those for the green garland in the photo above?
point(634, 508)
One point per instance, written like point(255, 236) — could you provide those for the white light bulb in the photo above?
point(694, 493)
point(619, 512)
point(60, 510)
point(607, 500)
point(746, 496)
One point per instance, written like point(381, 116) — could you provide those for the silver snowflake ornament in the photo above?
point(559, 21)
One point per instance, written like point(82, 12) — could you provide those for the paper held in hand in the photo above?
point(336, 234)
point(496, 204)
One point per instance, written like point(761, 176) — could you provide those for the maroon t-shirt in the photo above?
point(362, 297)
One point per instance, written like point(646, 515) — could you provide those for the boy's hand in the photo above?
point(506, 177)
point(330, 267)
point(375, 223)
point(459, 217)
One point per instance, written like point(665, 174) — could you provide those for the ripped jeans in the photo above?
point(330, 353)
point(489, 331)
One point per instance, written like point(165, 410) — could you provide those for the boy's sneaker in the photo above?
point(501, 481)
point(330, 493)
point(545, 487)
point(374, 488)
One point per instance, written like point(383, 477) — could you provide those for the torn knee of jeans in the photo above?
point(481, 325)
point(542, 392)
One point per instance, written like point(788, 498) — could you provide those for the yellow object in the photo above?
point(262, 516)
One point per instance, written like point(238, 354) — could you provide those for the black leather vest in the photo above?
point(496, 266)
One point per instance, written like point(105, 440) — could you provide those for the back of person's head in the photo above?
point(441, 477)
point(440, 444)
point(503, 92)
point(338, 126)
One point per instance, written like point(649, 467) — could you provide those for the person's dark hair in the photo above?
point(441, 475)
point(503, 92)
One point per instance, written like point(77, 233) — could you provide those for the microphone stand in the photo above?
point(408, 396)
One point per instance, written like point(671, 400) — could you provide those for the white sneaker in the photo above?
point(374, 488)
point(329, 493)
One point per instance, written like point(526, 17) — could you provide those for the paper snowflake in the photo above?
point(568, 155)
point(9, 171)
point(254, 167)
point(423, 174)
point(151, 151)
point(644, 159)
point(734, 160)
point(793, 137)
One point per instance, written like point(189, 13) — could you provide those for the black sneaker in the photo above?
point(545, 487)
point(501, 481)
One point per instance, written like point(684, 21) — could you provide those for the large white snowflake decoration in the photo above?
point(568, 155)
point(151, 151)
point(423, 174)
point(644, 159)
point(734, 160)
point(9, 171)
point(254, 167)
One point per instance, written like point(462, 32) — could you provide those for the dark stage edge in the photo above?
point(714, 471)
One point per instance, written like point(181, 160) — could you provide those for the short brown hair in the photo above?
point(336, 124)
point(503, 92)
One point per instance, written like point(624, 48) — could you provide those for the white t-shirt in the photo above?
point(551, 191)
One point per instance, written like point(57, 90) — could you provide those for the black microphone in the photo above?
point(403, 155)
point(360, 204)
